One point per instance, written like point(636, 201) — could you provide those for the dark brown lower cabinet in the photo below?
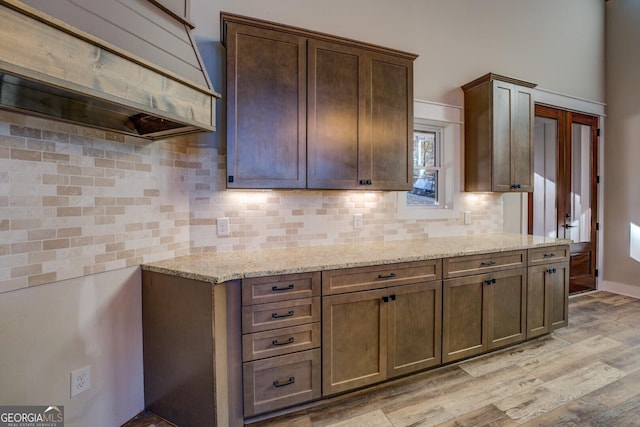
point(225, 354)
point(547, 298)
point(483, 312)
point(373, 335)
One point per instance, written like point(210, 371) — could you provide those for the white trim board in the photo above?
point(620, 288)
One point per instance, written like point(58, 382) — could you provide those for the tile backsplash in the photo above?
point(76, 201)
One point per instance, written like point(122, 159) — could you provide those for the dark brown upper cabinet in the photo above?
point(310, 110)
point(499, 116)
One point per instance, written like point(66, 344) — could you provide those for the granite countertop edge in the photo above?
point(220, 267)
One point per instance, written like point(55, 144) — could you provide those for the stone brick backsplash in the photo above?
point(76, 201)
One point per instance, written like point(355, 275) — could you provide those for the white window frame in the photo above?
point(447, 119)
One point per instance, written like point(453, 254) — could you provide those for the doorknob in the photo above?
point(569, 226)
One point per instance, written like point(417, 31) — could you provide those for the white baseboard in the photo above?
point(620, 288)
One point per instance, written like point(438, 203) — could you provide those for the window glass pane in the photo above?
point(426, 168)
point(580, 222)
point(424, 150)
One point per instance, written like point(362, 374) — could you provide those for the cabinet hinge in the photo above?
point(230, 178)
point(598, 179)
point(598, 132)
point(596, 272)
point(597, 226)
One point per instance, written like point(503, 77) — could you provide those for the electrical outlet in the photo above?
point(223, 227)
point(357, 220)
point(80, 380)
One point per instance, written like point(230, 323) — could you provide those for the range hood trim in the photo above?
point(149, 89)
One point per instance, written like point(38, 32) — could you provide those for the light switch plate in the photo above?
point(357, 220)
point(467, 217)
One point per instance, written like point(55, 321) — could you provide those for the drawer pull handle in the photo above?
point(551, 271)
point(287, 342)
point(487, 264)
point(490, 281)
point(551, 255)
point(280, 316)
point(386, 276)
point(290, 381)
point(286, 288)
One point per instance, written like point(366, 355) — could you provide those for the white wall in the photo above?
point(557, 44)
point(622, 154)
point(48, 331)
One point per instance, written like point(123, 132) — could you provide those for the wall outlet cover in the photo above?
point(80, 380)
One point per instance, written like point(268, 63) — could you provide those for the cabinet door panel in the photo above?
point(502, 134)
point(506, 307)
point(463, 311)
point(389, 149)
point(354, 340)
point(266, 128)
point(538, 300)
point(559, 289)
point(521, 144)
point(414, 327)
point(334, 114)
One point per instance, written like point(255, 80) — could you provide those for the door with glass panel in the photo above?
point(563, 202)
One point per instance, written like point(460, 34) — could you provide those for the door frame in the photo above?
point(565, 119)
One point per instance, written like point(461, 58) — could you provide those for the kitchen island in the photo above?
point(232, 337)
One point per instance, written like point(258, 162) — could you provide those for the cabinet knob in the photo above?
point(551, 271)
point(490, 281)
point(386, 276)
point(515, 186)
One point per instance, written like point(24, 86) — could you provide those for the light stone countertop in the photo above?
point(224, 266)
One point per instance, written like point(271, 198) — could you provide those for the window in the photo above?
point(427, 167)
point(435, 192)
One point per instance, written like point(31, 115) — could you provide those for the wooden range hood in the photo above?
point(50, 67)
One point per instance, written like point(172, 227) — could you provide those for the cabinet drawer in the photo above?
point(280, 288)
point(281, 381)
point(549, 254)
point(485, 263)
point(379, 276)
point(263, 317)
point(280, 341)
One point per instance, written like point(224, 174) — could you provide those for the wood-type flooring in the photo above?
point(587, 374)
